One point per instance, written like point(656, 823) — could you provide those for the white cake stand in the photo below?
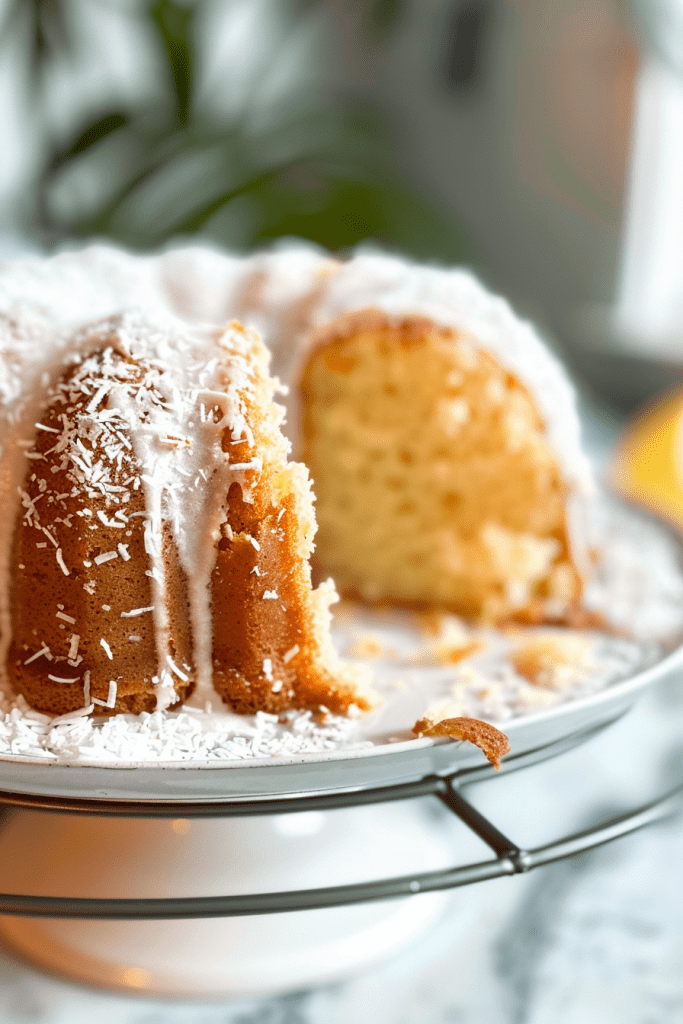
point(185, 892)
point(266, 876)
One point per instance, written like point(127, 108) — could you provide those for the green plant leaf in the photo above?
point(308, 166)
point(338, 211)
point(174, 24)
point(44, 28)
point(89, 136)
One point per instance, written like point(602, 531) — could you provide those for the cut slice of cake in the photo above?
point(442, 438)
point(159, 545)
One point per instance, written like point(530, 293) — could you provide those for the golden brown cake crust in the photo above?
point(58, 609)
point(261, 587)
point(493, 743)
point(102, 604)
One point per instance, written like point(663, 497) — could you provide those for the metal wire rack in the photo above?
point(508, 859)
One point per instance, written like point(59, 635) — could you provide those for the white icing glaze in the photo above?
point(194, 387)
point(276, 294)
point(199, 284)
point(449, 298)
point(75, 288)
point(291, 295)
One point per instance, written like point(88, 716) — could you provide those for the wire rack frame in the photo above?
point(508, 859)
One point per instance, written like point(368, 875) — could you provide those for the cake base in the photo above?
point(221, 957)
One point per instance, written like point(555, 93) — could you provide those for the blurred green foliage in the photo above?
point(43, 28)
point(317, 168)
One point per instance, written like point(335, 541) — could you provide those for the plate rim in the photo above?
point(623, 688)
point(621, 693)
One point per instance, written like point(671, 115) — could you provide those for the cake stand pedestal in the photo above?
point(256, 896)
point(220, 956)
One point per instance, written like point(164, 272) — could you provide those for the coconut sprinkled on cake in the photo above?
point(645, 595)
point(140, 412)
point(188, 735)
point(153, 472)
point(152, 432)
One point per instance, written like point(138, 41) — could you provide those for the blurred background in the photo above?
point(540, 141)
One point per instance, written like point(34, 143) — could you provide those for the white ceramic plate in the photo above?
point(381, 765)
point(393, 758)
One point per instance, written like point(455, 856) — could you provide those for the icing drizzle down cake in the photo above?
point(441, 434)
point(162, 540)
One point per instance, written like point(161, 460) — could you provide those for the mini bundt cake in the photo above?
point(162, 539)
point(441, 435)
